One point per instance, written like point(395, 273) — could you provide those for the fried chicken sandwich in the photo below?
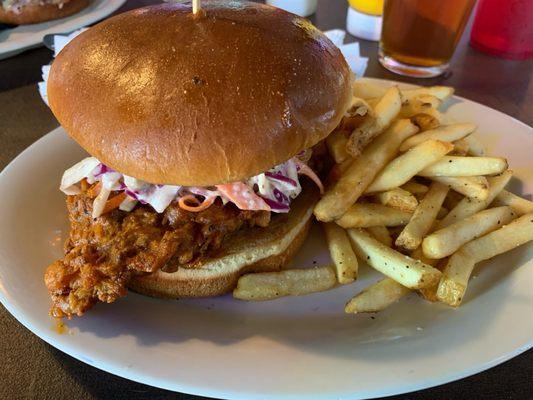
point(204, 133)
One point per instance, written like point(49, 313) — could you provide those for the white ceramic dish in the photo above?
point(291, 348)
point(16, 40)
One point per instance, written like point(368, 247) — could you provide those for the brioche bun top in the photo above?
point(170, 97)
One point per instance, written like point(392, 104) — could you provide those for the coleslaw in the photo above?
point(272, 190)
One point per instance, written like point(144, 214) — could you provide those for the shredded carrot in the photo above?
point(84, 184)
point(305, 170)
point(94, 190)
point(114, 202)
point(200, 206)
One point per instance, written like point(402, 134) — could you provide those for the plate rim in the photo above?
point(11, 48)
point(183, 387)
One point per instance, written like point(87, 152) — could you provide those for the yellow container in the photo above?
point(372, 7)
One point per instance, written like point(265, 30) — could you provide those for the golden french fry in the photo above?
point(465, 166)
point(473, 187)
point(426, 121)
point(362, 171)
point(423, 112)
point(359, 107)
point(290, 282)
point(423, 218)
point(430, 293)
point(418, 254)
point(336, 143)
point(385, 111)
point(341, 252)
point(403, 269)
point(377, 297)
point(398, 198)
point(415, 188)
point(455, 276)
point(446, 133)
point(467, 206)
point(338, 170)
point(368, 90)
point(440, 92)
point(475, 148)
point(404, 167)
point(363, 215)
point(373, 101)
point(447, 241)
point(427, 100)
point(418, 105)
point(520, 205)
point(461, 147)
point(381, 233)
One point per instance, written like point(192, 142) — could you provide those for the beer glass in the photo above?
point(418, 37)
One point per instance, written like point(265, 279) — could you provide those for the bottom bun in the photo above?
point(250, 250)
point(33, 14)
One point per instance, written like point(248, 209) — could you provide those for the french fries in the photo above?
point(418, 254)
point(404, 167)
point(398, 198)
point(385, 111)
point(474, 187)
point(415, 188)
point(517, 203)
point(336, 143)
point(440, 92)
point(381, 234)
point(456, 274)
point(377, 297)
point(341, 252)
point(290, 282)
point(475, 148)
point(423, 218)
point(364, 215)
point(465, 166)
point(467, 206)
point(368, 90)
point(423, 112)
point(379, 193)
point(359, 107)
point(461, 147)
point(419, 105)
point(430, 293)
point(410, 273)
point(362, 171)
point(447, 241)
point(338, 170)
point(426, 121)
point(446, 133)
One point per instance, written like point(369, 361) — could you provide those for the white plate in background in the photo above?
point(290, 348)
point(16, 40)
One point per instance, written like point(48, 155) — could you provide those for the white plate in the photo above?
point(16, 40)
point(291, 348)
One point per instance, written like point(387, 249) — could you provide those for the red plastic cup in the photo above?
point(502, 28)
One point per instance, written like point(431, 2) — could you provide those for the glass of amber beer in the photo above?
point(418, 37)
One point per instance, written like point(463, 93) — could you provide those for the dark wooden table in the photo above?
point(30, 368)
